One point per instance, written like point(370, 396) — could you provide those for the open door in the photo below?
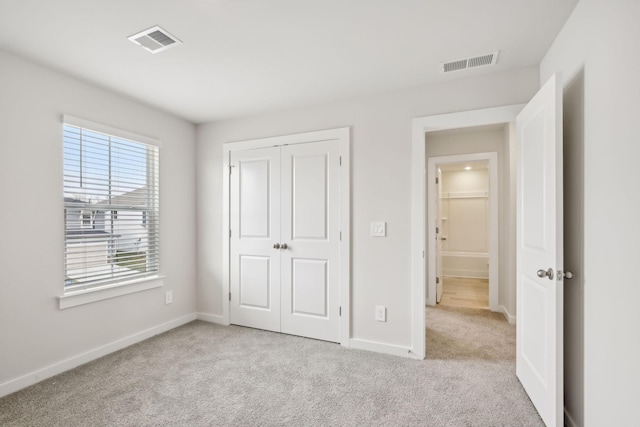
point(540, 274)
point(439, 238)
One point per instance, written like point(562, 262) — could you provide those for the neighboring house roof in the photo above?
point(72, 200)
point(83, 233)
point(134, 198)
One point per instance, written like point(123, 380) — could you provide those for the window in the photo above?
point(111, 205)
point(87, 221)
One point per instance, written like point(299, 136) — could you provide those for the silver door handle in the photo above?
point(276, 246)
point(546, 273)
point(283, 246)
point(568, 275)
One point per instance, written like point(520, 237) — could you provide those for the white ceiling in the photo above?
point(245, 57)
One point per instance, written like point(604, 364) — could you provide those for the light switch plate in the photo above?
point(378, 228)
point(381, 313)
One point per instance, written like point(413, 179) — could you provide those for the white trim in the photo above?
point(344, 136)
point(345, 229)
point(298, 138)
point(218, 319)
point(86, 296)
point(510, 317)
point(466, 274)
point(465, 254)
point(110, 130)
point(226, 229)
point(465, 195)
point(494, 238)
point(378, 347)
point(80, 359)
point(418, 199)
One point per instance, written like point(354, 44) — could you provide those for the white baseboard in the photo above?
point(212, 318)
point(510, 317)
point(16, 384)
point(466, 274)
point(568, 421)
point(379, 347)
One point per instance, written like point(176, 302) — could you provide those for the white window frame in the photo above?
point(72, 298)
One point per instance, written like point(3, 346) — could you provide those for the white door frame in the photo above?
point(344, 136)
point(493, 231)
point(420, 126)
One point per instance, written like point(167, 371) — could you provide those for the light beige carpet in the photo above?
point(208, 375)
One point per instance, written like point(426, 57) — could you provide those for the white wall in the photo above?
point(381, 187)
point(479, 140)
point(597, 52)
point(34, 333)
point(464, 204)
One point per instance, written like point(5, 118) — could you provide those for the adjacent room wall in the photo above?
point(464, 208)
point(34, 333)
point(381, 187)
point(597, 53)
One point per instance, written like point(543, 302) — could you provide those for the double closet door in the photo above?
point(285, 239)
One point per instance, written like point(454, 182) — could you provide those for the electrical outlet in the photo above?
point(168, 297)
point(381, 313)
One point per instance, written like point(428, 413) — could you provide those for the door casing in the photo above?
point(420, 126)
point(343, 135)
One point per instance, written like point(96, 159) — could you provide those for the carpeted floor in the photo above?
point(208, 375)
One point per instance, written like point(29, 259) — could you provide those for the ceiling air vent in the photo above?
point(155, 39)
point(466, 63)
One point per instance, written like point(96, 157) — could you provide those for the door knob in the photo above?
point(568, 275)
point(283, 246)
point(276, 246)
point(546, 273)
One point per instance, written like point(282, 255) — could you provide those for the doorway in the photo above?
point(462, 234)
point(535, 155)
point(420, 270)
point(463, 224)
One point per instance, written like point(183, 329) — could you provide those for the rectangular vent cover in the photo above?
point(474, 62)
point(155, 39)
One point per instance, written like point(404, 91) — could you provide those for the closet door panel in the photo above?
point(255, 228)
point(310, 228)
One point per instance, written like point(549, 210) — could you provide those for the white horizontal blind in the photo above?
point(111, 209)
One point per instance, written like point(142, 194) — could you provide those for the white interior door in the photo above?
point(539, 347)
point(310, 262)
point(439, 238)
point(255, 227)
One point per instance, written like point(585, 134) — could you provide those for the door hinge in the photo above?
point(437, 280)
point(437, 180)
point(229, 233)
point(231, 168)
point(341, 236)
point(340, 311)
point(229, 296)
point(340, 160)
point(437, 230)
point(422, 254)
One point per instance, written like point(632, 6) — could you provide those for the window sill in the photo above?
point(73, 299)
